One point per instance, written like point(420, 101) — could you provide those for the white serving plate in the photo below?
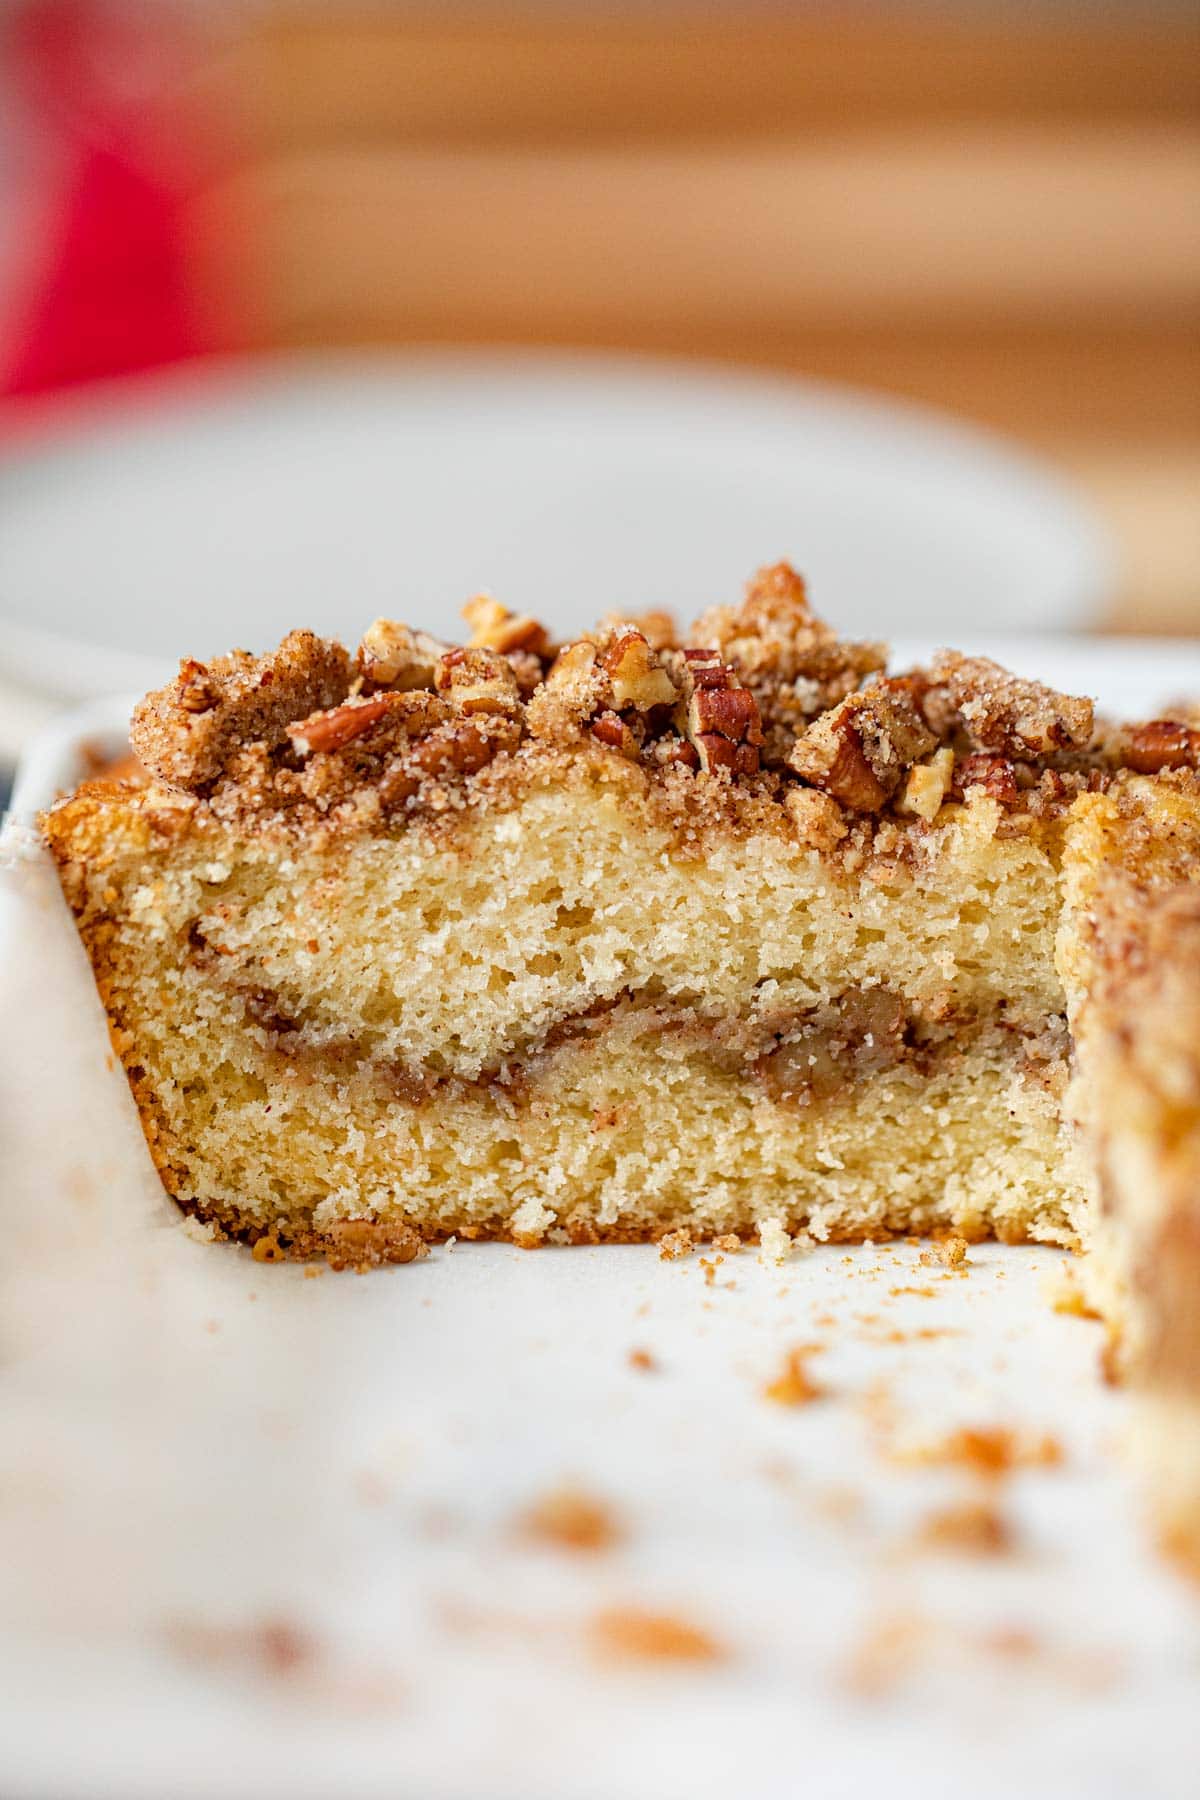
point(194, 1447)
point(227, 503)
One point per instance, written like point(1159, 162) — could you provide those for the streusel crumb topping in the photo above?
point(759, 705)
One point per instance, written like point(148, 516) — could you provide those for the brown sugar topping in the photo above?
point(186, 733)
point(758, 717)
point(1003, 712)
point(861, 749)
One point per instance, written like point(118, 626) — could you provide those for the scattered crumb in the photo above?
point(992, 1452)
point(1089, 1670)
point(201, 1231)
point(895, 1645)
point(840, 1505)
point(571, 1519)
point(710, 1269)
point(773, 1241)
point(1065, 1295)
point(276, 1647)
point(889, 1651)
point(1112, 1370)
point(778, 1470)
point(642, 1359)
point(674, 1244)
point(212, 1326)
point(823, 1319)
point(727, 1242)
point(923, 1293)
point(371, 1488)
point(794, 1386)
point(313, 1270)
point(971, 1528)
point(1015, 1641)
point(924, 1334)
point(951, 1252)
point(450, 1242)
point(625, 1633)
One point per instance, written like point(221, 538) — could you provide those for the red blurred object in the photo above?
point(115, 294)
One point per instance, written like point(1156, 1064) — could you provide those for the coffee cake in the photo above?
point(730, 933)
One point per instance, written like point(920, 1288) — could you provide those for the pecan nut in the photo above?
point(860, 749)
point(637, 677)
point(717, 713)
point(927, 786)
point(1161, 744)
point(393, 655)
point(494, 627)
point(339, 726)
point(611, 729)
point(994, 773)
point(478, 681)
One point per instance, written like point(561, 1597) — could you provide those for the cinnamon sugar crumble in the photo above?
point(759, 706)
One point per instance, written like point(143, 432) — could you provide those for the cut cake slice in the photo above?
point(730, 934)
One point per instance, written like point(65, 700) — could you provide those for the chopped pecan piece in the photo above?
point(393, 655)
point(665, 750)
point(717, 752)
point(197, 693)
point(658, 628)
point(332, 730)
point(461, 746)
point(611, 729)
point(717, 713)
point(859, 750)
point(1161, 744)
point(1005, 713)
point(494, 627)
point(994, 774)
point(478, 681)
point(246, 700)
point(793, 663)
point(927, 786)
point(637, 677)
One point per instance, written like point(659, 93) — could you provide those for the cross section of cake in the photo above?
point(731, 932)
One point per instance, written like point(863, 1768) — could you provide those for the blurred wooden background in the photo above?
point(993, 209)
